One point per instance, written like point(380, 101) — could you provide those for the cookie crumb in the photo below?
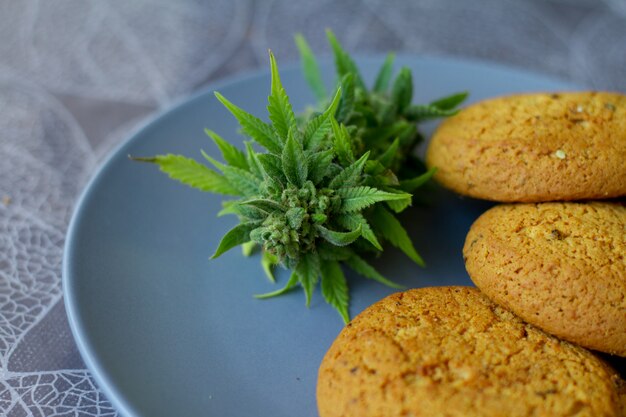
point(6, 200)
point(556, 234)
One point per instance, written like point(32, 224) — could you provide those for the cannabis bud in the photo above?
point(325, 189)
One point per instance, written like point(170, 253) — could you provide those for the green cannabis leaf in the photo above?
point(381, 120)
point(312, 200)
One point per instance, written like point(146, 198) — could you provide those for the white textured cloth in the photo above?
point(76, 76)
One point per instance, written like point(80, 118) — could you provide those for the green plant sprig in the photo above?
point(311, 201)
point(381, 119)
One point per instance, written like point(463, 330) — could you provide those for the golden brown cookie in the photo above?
point(559, 266)
point(450, 351)
point(535, 147)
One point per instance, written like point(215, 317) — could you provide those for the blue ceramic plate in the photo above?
point(165, 331)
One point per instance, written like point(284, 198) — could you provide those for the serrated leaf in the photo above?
point(258, 130)
point(328, 251)
point(249, 212)
point(353, 221)
point(268, 262)
point(319, 165)
point(357, 198)
point(402, 90)
point(382, 180)
point(253, 163)
point(360, 266)
point(308, 271)
point(318, 127)
point(273, 166)
point(268, 206)
point(335, 288)
point(386, 225)
point(343, 62)
point(401, 204)
point(315, 131)
point(412, 184)
point(279, 107)
point(294, 162)
point(236, 236)
point(374, 167)
point(297, 135)
point(245, 182)
point(351, 175)
point(339, 238)
point(451, 101)
point(228, 207)
point(421, 112)
point(384, 75)
point(388, 156)
point(275, 182)
point(293, 280)
point(231, 154)
point(310, 68)
point(217, 164)
point(342, 143)
point(190, 172)
point(347, 102)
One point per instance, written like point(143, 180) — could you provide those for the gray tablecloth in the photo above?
point(76, 76)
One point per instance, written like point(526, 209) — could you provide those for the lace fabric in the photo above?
point(77, 76)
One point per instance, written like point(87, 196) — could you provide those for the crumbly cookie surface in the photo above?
point(535, 147)
point(450, 351)
point(560, 266)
